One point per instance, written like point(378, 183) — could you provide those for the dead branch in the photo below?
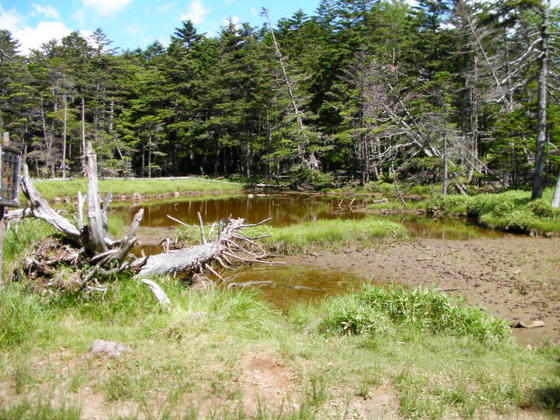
point(199, 257)
point(42, 210)
point(94, 248)
point(158, 293)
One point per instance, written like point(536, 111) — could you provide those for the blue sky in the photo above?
point(131, 23)
point(134, 23)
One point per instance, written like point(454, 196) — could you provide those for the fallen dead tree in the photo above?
point(90, 250)
point(229, 245)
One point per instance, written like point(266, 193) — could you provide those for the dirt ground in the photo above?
point(516, 278)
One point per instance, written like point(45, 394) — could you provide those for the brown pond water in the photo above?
point(288, 284)
point(288, 209)
point(284, 285)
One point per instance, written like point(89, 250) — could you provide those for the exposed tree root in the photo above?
point(90, 251)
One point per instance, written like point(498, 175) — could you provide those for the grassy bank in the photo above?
point(510, 210)
point(216, 353)
point(69, 188)
point(321, 234)
point(326, 234)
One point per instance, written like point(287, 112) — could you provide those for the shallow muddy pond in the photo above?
point(288, 209)
point(285, 285)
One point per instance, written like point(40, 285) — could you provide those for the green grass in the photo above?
point(435, 356)
point(40, 410)
point(22, 317)
point(329, 233)
point(314, 235)
point(69, 188)
point(510, 210)
point(20, 236)
point(376, 311)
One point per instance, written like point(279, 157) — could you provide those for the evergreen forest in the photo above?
point(454, 93)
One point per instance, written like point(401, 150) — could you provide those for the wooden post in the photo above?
point(5, 142)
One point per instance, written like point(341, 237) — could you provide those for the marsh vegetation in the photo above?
point(312, 342)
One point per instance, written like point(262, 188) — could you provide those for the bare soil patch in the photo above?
point(516, 278)
point(266, 381)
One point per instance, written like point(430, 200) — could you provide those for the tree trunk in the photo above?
point(97, 227)
point(83, 136)
point(308, 159)
point(445, 185)
point(538, 184)
point(556, 198)
point(64, 133)
point(230, 244)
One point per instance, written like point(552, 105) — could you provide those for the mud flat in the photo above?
point(516, 278)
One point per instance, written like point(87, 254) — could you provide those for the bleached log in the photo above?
point(42, 210)
point(183, 260)
point(96, 232)
point(80, 210)
point(18, 214)
point(196, 258)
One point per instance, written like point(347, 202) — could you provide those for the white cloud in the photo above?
point(254, 11)
point(47, 11)
point(86, 34)
point(30, 37)
point(106, 7)
point(10, 20)
point(196, 12)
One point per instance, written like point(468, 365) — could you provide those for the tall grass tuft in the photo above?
point(21, 316)
point(381, 310)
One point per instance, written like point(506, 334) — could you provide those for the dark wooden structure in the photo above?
point(9, 185)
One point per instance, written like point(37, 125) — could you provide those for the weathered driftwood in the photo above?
point(158, 292)
point(105, 257)
point(42, 210)
point(227, 246)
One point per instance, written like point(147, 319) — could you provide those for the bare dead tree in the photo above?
point(306, 156)
point(556, 198)
point(507, 70)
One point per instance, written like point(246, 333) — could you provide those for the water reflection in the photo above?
point(284, 210)
point(289, 209)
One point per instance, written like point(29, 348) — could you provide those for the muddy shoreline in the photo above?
point(515, 278)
